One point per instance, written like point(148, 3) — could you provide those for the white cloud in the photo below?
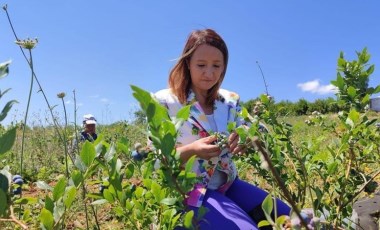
point(316, 87)
point(68, 102)
point(105, 100)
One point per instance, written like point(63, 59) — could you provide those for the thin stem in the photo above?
point(65, 139)
point(14, 219)
point(56, 125)
point(262, 74)
point(280, 183)
point(361, 189)
point(75, 124)
point(85, 205)
point(26, 116)
point(95, 216)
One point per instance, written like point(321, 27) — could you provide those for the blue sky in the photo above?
point(100, 48)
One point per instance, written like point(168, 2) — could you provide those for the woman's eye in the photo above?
point(201, 65)
point(216, 66)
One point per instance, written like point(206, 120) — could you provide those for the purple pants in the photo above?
point(230, 210)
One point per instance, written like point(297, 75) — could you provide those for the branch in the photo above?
point(14, 219)
point(263, 151)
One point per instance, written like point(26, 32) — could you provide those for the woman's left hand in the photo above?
point(234, 145)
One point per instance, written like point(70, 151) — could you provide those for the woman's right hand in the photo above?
point(203, 148)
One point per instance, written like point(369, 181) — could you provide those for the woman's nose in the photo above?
point(208, 72)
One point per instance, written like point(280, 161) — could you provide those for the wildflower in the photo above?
point(27, 43)
point(5, 7)
point(61, 95)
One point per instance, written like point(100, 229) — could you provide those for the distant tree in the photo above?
point(284, 108)
point(332, 105)
point(301, 107)
point(140, 117)
point(319, 105)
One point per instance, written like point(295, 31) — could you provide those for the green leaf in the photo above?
point(263, 223)
point(264, 98)
point(332, 167)
point(99, 202)
point(147, 183)
point(244, 113)
point(3, 202)
point(69, 196)
point(43, 185)
point(49, 204)
point(168, 201)
point(167, 145)
point(184, 112)
point(7, 140)
point(189, 164)
point(377, 90)
point(47, 219)
point(77, 177)
point(339, 82)
point(2, 93)
point(142, 96)
point(59, 189)
point(365, 99)
point(371, 69)
point(129, 171)
point(351, 91)
point(281, 220)
point(26, 200)
point(88, 153)
point(139, 192)
point(156, 190)
point(188, 220)
point(4, 183)
point(122, 147)
point(4, 68)
point(6, 109)
point(108, 195)
point(267, 206)
point(110, 153)
point(354, 116)
point(174, 220)
point(341, 61)
point(231, 126)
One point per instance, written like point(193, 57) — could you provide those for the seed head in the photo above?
point(61, 95)
point(27, 43)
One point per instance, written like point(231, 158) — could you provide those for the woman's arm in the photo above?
point(203, 148)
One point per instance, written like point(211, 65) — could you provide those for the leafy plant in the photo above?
point(329, 179)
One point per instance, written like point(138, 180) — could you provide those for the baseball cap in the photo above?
point(89, 119)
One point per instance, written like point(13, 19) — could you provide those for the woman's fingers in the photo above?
point(235, 146)
point(210, 139)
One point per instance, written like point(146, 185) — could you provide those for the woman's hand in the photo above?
point(203, 148)
point(234, 145)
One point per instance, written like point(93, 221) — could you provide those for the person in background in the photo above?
point(88, 133)
point(195, 80)
point(89, 128)
point(140, 153)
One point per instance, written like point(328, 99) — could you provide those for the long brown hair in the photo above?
point(180, 79)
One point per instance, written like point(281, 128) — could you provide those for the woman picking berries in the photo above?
point(195, 80)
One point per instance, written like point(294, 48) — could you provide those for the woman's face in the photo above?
point(206, 67)
point(90, 128)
